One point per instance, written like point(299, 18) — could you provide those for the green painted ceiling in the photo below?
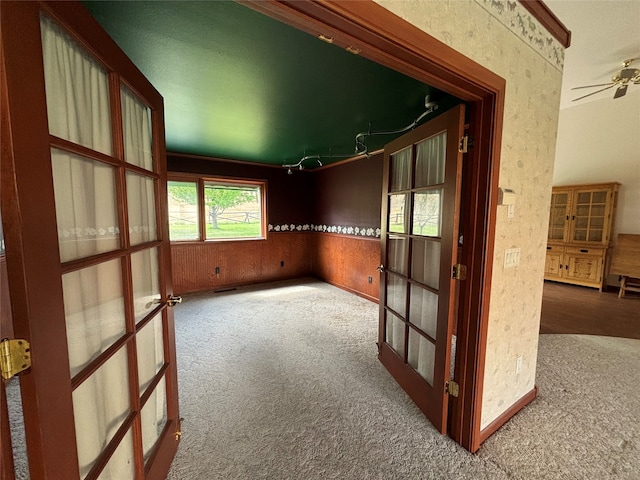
point(240, 85)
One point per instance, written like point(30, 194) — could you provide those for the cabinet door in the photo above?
point(583, 268)
point(590, 216)
point(553, 265)
point(559, 215)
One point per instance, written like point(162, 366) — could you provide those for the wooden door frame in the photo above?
point(387, 39)
point(25, 149)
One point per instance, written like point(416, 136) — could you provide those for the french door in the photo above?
point(84, 216)
point(420, 218)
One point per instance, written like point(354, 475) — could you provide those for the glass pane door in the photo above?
point(106, 199)
point(420, 207)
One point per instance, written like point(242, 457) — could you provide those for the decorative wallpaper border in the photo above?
point(106, 232)
point(81, 232)
point(522, 23)
point(344, 230)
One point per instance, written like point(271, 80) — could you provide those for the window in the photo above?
point(183, 211)
point(215, 209)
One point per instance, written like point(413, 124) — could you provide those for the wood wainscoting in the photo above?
point(240, 262)
point(348, 262)
point(345, 261)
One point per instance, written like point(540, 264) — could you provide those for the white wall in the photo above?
point(600, 142)
point(510, 43)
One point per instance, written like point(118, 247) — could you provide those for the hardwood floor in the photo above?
point(573, 309)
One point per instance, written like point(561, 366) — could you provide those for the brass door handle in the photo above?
point(172, 300)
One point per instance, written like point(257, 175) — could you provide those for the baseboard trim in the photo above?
point(525, 400)
point(232, 286)
point(351, 290)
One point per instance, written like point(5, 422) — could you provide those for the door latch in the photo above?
point(172, 300)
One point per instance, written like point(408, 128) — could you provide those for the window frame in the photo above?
point(201, 181)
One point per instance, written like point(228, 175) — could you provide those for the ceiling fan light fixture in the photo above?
point(622, 79)
point(621, 91)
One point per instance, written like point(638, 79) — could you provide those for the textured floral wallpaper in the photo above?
point(504, 38)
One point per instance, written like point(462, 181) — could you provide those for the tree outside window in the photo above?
point(231, 210)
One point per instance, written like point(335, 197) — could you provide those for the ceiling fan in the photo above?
point(622, 79)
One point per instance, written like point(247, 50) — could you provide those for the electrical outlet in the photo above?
point(511, 211)
point(370, 279)
point(518, 364)
point(282, 263)
point(217, 270)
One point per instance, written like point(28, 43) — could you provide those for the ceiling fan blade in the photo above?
point(591, 86)
point(621, 91)
point(593, 93)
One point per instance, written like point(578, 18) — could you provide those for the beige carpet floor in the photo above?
point(281, 381)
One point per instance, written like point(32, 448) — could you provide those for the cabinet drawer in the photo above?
point(555, 249)
point(585, 251)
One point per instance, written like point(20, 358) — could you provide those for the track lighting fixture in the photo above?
point(361, 146)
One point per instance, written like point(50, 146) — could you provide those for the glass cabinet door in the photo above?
point(589, 215)
point(559, 215)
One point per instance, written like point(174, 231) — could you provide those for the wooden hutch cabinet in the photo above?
point(580, 224)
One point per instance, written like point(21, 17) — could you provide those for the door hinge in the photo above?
point(459, 272)
point(465, 144)
point(452, 388)
point(15, 357)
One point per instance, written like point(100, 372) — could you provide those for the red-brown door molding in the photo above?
point(389, 40)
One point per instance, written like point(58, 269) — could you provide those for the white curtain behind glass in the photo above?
point(86, 212)
point(77, 91)
point(150, 352)
point(141, 204)
point(154, 417)
point(94, 311)
point(422, 355)
point(78, 111)
point(100, 405)
point(145, 280)
point(431, 155)
point(395, 333)
point(136, 120)
point(121, 464)
point(400, 170)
